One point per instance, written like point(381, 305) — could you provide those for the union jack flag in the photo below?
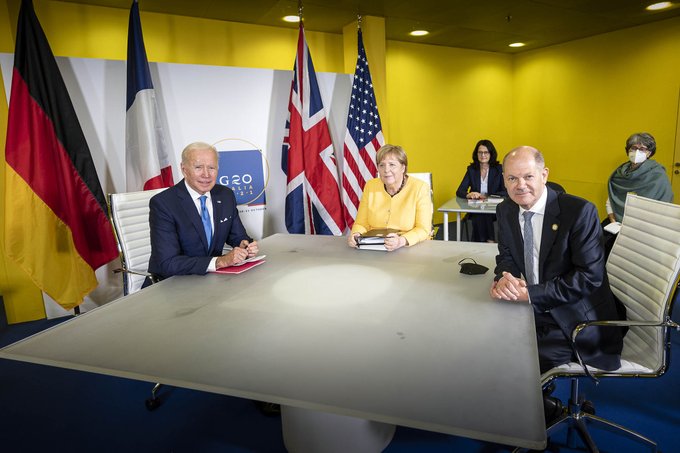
point(362, 139)
point(313, 194)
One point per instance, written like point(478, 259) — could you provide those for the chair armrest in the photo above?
point(668, 322)
point(619, 323)
point(152, 277)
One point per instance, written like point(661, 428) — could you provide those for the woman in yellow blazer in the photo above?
point(394, 201)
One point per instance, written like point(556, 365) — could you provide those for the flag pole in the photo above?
point(313, 204)
point(363, 135)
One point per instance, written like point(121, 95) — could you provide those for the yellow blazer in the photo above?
point(409, 211)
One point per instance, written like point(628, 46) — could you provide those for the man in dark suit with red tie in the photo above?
point(193, 220)
point(550, 255)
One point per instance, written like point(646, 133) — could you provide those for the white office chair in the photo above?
point(427, 178)
point(643, 270)
point(130, 218)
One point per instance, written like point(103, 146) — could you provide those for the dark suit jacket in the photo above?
point(178, 242)
point(473, 181)
point(573, 282)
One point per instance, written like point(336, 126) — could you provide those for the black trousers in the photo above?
point(482, 227)
point(554, 348)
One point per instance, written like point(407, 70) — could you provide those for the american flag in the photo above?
point(313, 194)
point(362, 139)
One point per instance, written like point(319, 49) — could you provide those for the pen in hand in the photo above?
point(250, 247)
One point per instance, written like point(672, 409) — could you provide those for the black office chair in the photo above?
point(556, 187)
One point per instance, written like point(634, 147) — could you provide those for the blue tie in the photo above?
point(205, 216)
point(529, 249)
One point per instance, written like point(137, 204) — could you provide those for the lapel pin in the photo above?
point(554, 227)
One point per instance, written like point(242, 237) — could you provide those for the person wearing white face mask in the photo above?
point(640, 175)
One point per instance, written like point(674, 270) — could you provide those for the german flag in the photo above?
point(56, 227)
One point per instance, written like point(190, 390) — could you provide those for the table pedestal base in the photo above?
point(307, 431)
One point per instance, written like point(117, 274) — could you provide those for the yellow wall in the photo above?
point(578, 102)
point(81, 31)
point(440, 102)
point(7, 31)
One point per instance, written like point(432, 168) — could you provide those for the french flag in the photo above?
point(146, 154)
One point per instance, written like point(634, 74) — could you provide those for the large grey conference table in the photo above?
point(399, 338)
point(461, 205)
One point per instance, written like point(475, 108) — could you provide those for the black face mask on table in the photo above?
point(472, 268)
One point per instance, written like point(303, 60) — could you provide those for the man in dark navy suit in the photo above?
point(550, 255)
point(193, 220)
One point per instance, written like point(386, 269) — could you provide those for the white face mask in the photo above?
point(637, 156)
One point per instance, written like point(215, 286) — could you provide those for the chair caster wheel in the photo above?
point(152, 403)
point(588, 407)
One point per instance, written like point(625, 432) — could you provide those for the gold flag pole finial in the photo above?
point(300, 8)
point(359, 21)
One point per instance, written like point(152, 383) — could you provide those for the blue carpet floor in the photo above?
point(46, 409)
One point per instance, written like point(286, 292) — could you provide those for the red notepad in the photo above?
point(239, 269)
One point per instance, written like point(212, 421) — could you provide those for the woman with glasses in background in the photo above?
point(640, 175)
point(484, 177)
